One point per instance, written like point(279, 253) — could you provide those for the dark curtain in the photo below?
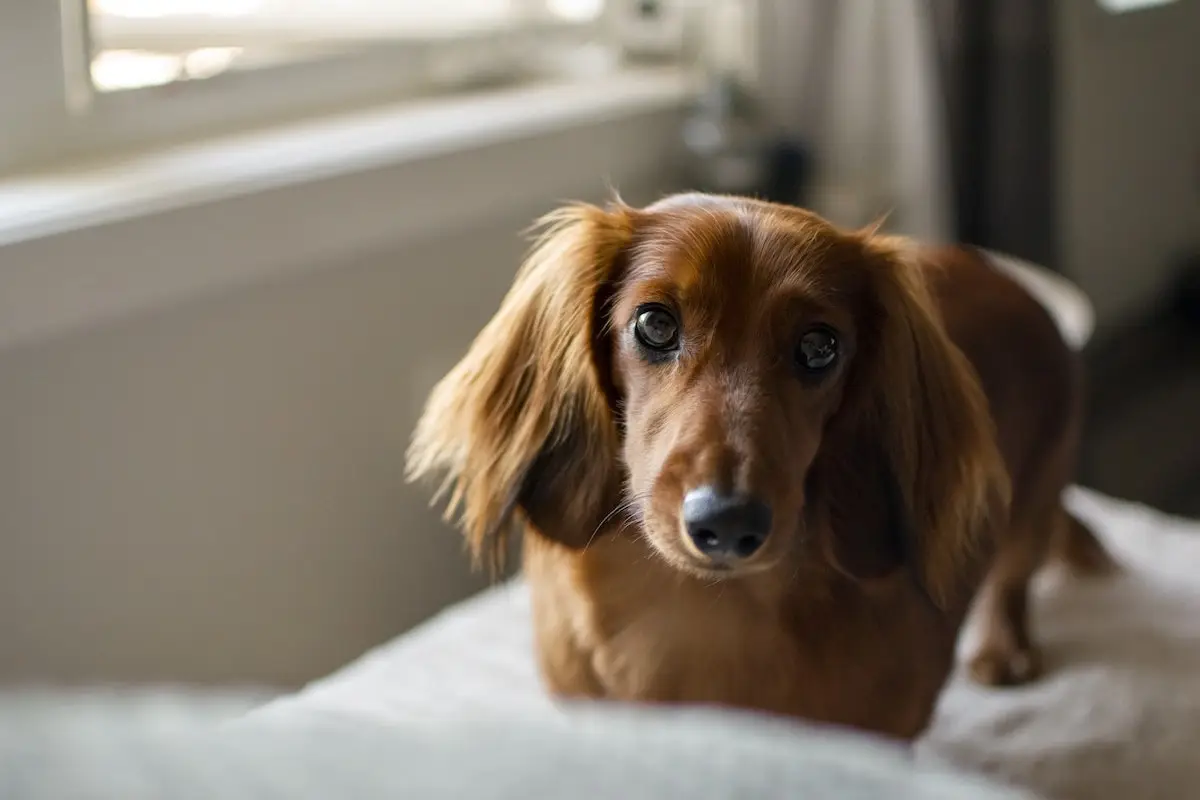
point(997, 60)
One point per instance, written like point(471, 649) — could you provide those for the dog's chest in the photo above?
point(652, 634)
point(713, 649)
point(647, 635)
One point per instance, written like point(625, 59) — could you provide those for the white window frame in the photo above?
point(128, 208)
point(49, 112)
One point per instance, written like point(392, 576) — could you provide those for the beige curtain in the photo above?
point(858, 81)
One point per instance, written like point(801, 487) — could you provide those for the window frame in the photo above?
point(59, 116)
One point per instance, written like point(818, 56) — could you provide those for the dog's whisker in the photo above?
point(624, 507)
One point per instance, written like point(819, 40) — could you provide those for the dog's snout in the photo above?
point(725, 527)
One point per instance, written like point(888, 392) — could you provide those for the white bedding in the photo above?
point(1116, 717)
point(118, 749)
point(454, 709)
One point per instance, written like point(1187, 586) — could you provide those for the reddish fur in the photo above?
point(927, 469)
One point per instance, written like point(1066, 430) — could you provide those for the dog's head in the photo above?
point(744, 382)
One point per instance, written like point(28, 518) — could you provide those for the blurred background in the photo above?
point(240, 240)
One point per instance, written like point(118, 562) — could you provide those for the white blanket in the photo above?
point(1116, 717)
point(455, 709)
point(137, 748)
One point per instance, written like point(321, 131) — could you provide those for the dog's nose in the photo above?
point(725, 527)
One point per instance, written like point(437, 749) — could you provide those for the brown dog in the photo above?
point(761, 461)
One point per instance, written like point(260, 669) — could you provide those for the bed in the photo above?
point(1116, 717)
point(455, 708)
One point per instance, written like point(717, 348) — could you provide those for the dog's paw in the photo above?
point(1005, 667)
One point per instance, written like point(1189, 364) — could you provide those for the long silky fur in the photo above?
point(526, 385)
point(932, 418)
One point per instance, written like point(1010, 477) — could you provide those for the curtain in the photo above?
point(858, 82)
point(998, 73)
point(940, 112)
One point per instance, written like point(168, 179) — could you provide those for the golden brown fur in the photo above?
point(923, 471)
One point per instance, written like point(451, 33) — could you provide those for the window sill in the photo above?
point(93, 243)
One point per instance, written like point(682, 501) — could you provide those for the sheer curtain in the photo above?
point(939, 111)
point(858, 80)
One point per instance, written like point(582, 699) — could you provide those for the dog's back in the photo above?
point(1033, 379)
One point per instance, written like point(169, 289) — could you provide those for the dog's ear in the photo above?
point(915, 461)
point(855, 500)
point(524, 421)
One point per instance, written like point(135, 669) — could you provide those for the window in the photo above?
point(139, 43)
point(1125, 6)
point(84, 78)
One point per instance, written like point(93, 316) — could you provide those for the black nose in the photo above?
point(725, 527)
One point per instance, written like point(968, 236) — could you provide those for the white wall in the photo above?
point(1129, 149)
point(214, 491)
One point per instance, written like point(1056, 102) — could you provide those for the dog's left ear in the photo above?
point(918, 439)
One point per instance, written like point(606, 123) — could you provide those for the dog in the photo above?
point(762, 461)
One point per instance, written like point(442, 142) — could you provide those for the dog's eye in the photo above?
point(656, 328)
point(817, 351)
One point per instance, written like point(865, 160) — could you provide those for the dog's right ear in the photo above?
point(524, 421)
point(921, 442)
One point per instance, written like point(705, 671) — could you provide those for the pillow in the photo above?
point(1066, 302)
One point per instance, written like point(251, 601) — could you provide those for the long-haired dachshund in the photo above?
point(764, 462)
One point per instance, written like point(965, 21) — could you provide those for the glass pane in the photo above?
point(1125, 6)
point(137, 43)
